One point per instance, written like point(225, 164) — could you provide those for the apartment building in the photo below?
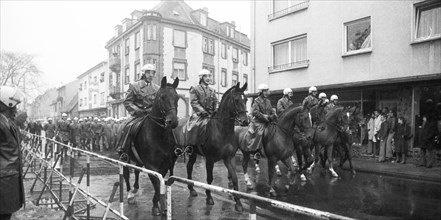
point(180, 41)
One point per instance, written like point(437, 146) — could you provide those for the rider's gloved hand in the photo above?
point(273, 117)
point(205, 114)
point(265, 117)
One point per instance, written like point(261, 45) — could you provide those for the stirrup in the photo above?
point(178, 152)
point(257, 156)
point(124, 157)
point(189, 150)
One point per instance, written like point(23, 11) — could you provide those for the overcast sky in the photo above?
point(68, 37)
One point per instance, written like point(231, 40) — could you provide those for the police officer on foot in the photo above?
point(139, 102)
point(12, 195)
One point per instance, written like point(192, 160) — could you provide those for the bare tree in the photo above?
point(20, 70)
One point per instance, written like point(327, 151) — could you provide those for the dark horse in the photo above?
point(154, 142)
point(335, 121)
point(219, 133)
point(278, 141)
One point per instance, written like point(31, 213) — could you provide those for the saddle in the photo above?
point(192, 132)
point(130, 130)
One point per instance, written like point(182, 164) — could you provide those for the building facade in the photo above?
point(380, 53)
point(180, 42)
point(93, 91)
point(41, 107)
point(66, 100)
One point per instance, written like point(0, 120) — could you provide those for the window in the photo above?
point(204, 19)
point(289, 54)
point(235, 78)
point(137, 71)
point(102, 98)
point(118, 79)
point(111, 78)
point(212, 76)
point(285, 7)
point(224, 51)
point(151, 32)
point(127, 46)
point(102, 77)
point(180, 70)
point(179, 38)
point(95, 79)
point(208, 46)
point(428, 21)
point(127, 76)
point(137, 40)
point(85, 85)
point(81, 86)
point(224, 77)
point(245, 79)
point(81, 102)
point(230, 31)
point(245, 58)
point(235, 55)
point(94, 98)
point(358, 35)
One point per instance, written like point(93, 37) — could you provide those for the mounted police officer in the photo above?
point(12, 195)
point(285, 101)
point(323, 99)
point(311, 99)
point(139, 102)
point(202, 97)
point(333, 103)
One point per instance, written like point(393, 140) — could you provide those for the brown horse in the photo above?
point(155, 143)
point(335, 121)
point(219, 134)
point(278, 142)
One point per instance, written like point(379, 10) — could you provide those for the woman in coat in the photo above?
point(401, 140)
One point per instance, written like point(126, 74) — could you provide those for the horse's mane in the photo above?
point(290, 108)
point(224, 97)
point(334, 112)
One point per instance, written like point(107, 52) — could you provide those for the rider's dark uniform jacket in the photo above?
point(310, 101)
point(63, 129)
point(12, 195)
point(283, 104)
point(203, 98)
point(140, 97)
point(262, 106)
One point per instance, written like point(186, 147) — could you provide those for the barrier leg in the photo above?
point(71, 201)
point(71, 173)
point(87, 186)
point(45, 184)
point(169, 202)
point(253, 215)
point(121, 190)
point(112, 195)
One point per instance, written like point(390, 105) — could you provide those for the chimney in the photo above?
point(118, 30)
point(136, 15)
point(205, 9)
point(127, 23)
point(233, 23)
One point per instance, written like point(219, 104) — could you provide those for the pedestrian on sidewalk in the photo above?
point(12, 195)
point(401, 140)
point(377, 126)
point(382, 136)
point(392, 127)
point(370, 128)
point(427, 141)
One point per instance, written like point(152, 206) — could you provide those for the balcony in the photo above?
point(289, 10)
point(115, 64)
point(115, 92)
point(288, 66)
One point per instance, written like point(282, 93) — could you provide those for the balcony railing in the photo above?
point(289, 10)
point(288, 66)
point(115, 63)
point(115, 92)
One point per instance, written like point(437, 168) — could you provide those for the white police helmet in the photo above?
point(262, 87)
point(49, 119)
point(10, 96)
point(322, 95)
point(312, 89)
point(286, 91)
point(203, 72)
point(75, 118)
point(69, 119)
point(64, 115)
point(334, 97)
point(148, 67)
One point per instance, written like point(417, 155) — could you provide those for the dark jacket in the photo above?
point(203, 98)
point(140, 97)
point(63, 129)
point(283, 104)
point(12, 195)
point(402, 136)
point(261, 108)
point(50, 130)
point(76, 130)
point(310, 101)
point(392, 124)
point(383, 132)
point(429, 131)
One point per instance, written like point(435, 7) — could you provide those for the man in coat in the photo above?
point(311, 99)
point(12, 195)
point(285, 101)
point(62, 131)
point(139, 102)
point(76, 133)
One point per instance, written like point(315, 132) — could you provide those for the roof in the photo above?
point(73, 102)
point(102, 63)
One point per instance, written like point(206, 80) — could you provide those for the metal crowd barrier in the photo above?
point(165, 186)
point(34, 153)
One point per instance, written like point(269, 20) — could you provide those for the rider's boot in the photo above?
point(278, 172)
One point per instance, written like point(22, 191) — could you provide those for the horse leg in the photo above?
point(190, 164)
point(349, 157)
point(136, 184)
point(245, 161)
point(209, 164)
point(232, 172)
point(300, 152)
point(155, 183)
point(271, 169)
point(292, 170)
point(329, 158)
point(130, 194)
point(174, 157)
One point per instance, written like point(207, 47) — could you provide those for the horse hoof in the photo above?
point(287, 186)
point(134, 191)
point(250, 186)
point(239, 207)
point(164, 212)
point(193, 193)
point(303, 177)
point(335, 175)
point(273, 193)
point(278, 173)
point(210, 201)
point(131, 201)
point(155, 211)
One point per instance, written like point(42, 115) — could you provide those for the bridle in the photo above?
point(161, 120)
point(236, 113)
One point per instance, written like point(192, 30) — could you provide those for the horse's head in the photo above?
point(234, 102)
point(166, 103)
point(339, 117)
